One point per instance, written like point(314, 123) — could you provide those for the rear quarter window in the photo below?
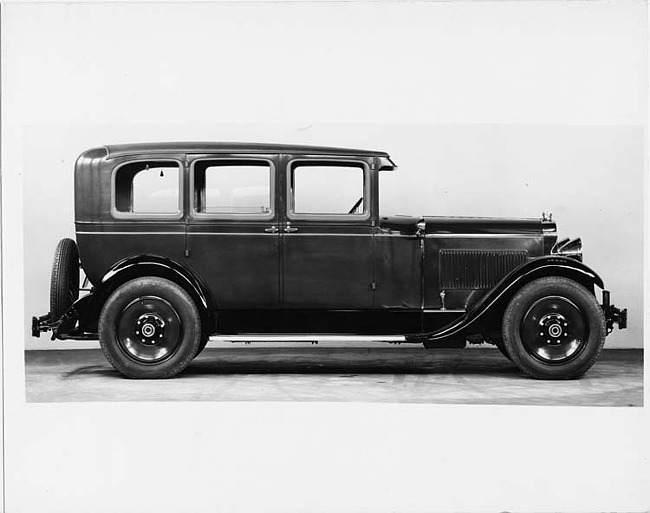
point(147, 188)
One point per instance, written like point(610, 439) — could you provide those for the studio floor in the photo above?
point(386, 374)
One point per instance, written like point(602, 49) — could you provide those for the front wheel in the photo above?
point(554, 328)
point(149, 328)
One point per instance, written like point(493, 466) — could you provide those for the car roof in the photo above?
point(119, 150)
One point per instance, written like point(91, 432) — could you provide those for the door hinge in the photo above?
point(187, 253)
point(373, 286)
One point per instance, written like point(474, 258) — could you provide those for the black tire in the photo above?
point(64, 282)
point(496, 338)
point(554, 328)
point(149, 328)
point(502, 349)
point(204, 342)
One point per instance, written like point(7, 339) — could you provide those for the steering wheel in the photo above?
point(356, 206)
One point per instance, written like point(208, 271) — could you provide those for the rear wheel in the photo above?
point(554, 328)
point(150, 328)
point(64, 283)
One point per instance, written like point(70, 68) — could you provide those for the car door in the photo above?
point(327, 235)
point(232, 231)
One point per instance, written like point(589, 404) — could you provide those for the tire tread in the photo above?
point(66, 263)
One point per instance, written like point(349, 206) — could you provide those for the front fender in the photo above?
point(499, 296)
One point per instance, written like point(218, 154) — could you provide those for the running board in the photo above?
point(311, 338)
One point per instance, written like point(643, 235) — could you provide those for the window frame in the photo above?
point(119, 214)
point(333, 161)
point(239, 215)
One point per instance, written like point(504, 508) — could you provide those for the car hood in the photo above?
point(468, 225)
point(486, 225)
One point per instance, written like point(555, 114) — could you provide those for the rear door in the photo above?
point(232, 231)
point(327, 233)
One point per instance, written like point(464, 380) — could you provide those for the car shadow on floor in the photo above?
point(348, 368)
point(91, 370)
point(347, 363)
point(344, 363)
point(339, 362)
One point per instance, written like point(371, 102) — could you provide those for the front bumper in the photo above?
point(612, 314)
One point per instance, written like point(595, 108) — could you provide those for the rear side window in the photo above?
point(233, 187)
point(148, 188)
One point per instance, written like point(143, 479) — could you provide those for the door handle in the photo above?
point(289, 229)
point(273, 229)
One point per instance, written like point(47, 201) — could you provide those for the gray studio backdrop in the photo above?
point(489, 109)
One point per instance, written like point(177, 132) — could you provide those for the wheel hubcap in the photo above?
point(149, 330)
point(554, 330)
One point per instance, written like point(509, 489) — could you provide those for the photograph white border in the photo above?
point(298, 456)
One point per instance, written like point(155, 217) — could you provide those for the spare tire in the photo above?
point(64, 285)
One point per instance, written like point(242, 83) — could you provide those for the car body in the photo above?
point(245, 233)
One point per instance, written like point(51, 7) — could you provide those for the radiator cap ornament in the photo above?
point(547, 217)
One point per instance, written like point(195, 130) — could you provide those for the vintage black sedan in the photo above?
point(182, 241)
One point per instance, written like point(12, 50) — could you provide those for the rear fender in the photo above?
point(496, 300)
point(147, 265)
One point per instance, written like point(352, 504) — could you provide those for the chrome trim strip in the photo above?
point(475, 235)
point(461, 235)
point(307, 338)
point(440, 310)
point(292, 234)
point(131, 233)
point(403, 235)
point(299, 234)
point(179, 233)
point(251, 234)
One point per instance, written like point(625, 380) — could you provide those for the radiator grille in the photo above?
point(463, 269)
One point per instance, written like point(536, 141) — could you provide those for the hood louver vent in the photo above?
point(462, 269)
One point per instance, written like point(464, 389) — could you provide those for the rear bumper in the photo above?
point(612, 314)
point(42, 324)
point(68, 327)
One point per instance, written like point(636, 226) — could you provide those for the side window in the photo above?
point(233, 187)
point(329, 188)
point(148, 188)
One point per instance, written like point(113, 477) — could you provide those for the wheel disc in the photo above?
point(553, 330)
point(149, 330)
